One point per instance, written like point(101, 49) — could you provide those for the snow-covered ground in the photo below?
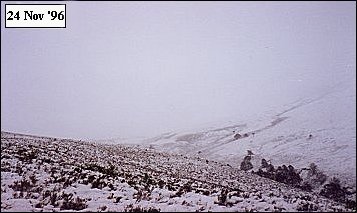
point(52, 174)
point(196, 170)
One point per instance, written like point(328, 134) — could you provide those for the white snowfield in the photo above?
point(51, 174)
point(320, 129)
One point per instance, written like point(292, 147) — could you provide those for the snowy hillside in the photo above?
point(318, 129)
point(51, 174)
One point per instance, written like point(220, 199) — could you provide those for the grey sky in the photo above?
point(125, 69)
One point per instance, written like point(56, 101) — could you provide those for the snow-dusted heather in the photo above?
point(51, 174)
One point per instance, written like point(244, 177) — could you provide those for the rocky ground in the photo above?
point(52, 174)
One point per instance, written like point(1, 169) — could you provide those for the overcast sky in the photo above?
point(127, 69)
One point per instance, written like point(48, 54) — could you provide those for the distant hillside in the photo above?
point(320, 129)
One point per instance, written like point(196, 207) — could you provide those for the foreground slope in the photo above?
point(42, 173)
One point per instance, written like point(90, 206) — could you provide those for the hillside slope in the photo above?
point(51, 174)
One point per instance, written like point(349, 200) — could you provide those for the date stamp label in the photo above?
point(35, 16)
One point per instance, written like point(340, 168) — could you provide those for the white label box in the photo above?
point(35, 15)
